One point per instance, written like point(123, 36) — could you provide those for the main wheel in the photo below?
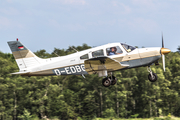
point(152, 78)
point(113, 80)
point(106, 82)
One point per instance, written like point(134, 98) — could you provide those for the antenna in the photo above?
point(73, 48)
point(54, 53)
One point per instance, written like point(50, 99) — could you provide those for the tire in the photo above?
point(106, 82)
point(113, 81)
point(155, 77)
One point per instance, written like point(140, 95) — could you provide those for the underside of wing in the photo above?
point(94, 65)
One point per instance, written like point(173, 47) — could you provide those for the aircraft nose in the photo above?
point(165, 51)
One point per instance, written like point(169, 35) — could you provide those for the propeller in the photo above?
point(162, 42)
point(163, 52)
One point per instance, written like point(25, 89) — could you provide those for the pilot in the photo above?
point(129, 50)
point(113, 51)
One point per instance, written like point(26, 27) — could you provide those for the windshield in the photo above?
point(128, 47)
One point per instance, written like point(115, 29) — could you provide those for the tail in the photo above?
point(24, 57)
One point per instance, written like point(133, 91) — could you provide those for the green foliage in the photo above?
point(109, 113)
point(26, 115)
point(135, 115)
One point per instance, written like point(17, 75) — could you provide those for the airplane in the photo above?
point(101, 60)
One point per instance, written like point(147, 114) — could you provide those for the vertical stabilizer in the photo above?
point(24, 57)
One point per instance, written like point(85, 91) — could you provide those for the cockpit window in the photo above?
point(115, 50)
point(128, 48)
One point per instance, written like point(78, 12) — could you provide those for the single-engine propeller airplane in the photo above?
point(101, 60)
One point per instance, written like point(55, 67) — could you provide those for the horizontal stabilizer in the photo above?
point(20, 73)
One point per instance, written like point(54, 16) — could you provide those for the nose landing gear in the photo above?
point(152, 76)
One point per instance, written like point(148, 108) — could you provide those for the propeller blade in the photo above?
point(162, 42)
point(163, 61)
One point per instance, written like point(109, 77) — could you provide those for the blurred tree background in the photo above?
point(70, 97)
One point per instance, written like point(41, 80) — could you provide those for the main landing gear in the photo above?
point(152, 76)
point(107, 81)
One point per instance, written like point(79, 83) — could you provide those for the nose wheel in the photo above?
point(107, 81)
point(152, 76)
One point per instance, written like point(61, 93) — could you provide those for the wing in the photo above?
point(102, 63)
